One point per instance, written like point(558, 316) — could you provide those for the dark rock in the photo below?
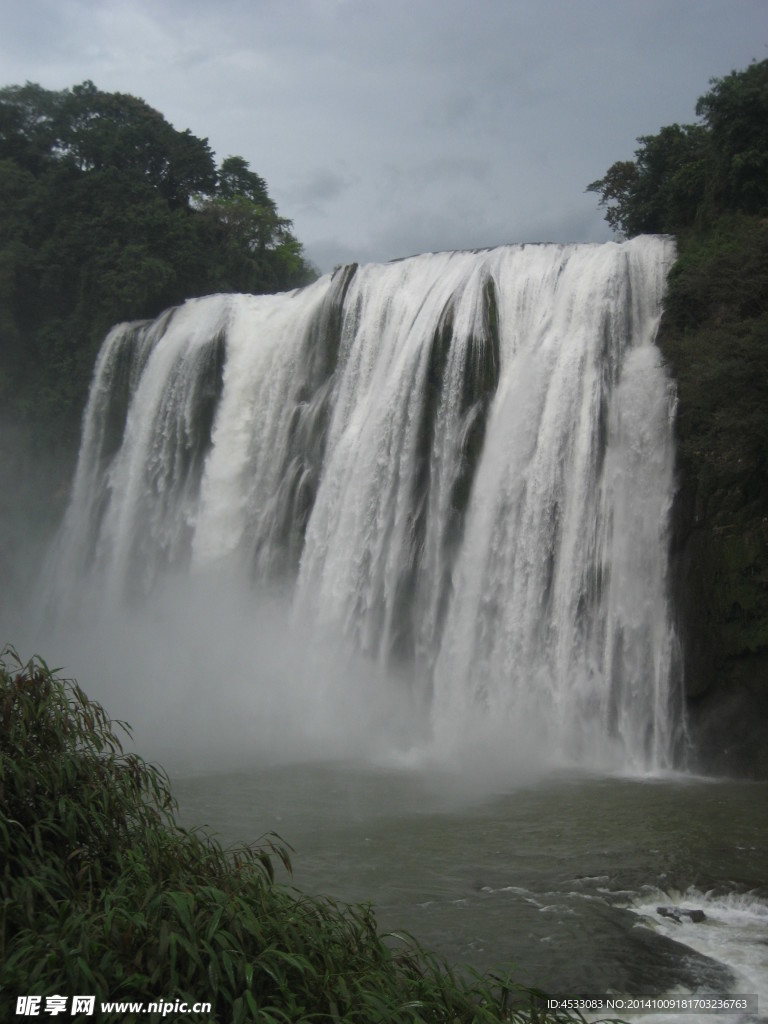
point(678, 913)
point(727, 725)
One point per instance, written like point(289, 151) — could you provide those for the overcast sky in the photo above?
point(389, 128)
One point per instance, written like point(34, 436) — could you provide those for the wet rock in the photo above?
point(678, 913)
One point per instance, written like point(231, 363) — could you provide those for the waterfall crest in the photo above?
point(462, 462)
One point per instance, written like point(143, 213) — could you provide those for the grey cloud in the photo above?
point(388, 128)
point(321, 188)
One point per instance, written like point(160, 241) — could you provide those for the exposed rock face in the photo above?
point(678, 913)
point(728, 723)
point(725, 665)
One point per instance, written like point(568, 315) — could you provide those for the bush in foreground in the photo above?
point(103, 893)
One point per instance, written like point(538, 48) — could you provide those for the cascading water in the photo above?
point(462, 462)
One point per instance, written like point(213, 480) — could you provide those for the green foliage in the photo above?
point(715, 338)
point(237, 179)
point(96, 131)
point(108, 213)
point(687, 176)
point(735, 112)
point(662, 188)
point(102, 893)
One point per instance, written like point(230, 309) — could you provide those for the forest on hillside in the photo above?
point(109, 213)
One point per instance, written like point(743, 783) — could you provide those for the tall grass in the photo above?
point(104, 894)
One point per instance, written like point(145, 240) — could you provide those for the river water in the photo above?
point(559, 878)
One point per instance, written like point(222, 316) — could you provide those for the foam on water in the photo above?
point(734, 931)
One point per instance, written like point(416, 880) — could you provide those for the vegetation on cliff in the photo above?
point(688, 176)
point(108, 213)
point(707, 183)
point(103, 893)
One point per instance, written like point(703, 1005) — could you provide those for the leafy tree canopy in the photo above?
point(688, 175)
point(108, 213)
point(97, 131)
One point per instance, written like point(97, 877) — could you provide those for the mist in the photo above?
point(211, 674)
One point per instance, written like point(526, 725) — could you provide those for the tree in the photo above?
point(236, 179)
point(735, 112)
point(662, 188)
point(259, 252)
point(688, 175)
point(97, 131)
point(108, 213)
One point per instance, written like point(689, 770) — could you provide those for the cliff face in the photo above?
point(715, 338)
point(720, 590)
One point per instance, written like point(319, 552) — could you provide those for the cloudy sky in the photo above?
point(389, 127)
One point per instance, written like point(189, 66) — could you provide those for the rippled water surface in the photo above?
point(561, 878)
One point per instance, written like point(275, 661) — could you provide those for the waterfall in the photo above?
point(462, 463)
